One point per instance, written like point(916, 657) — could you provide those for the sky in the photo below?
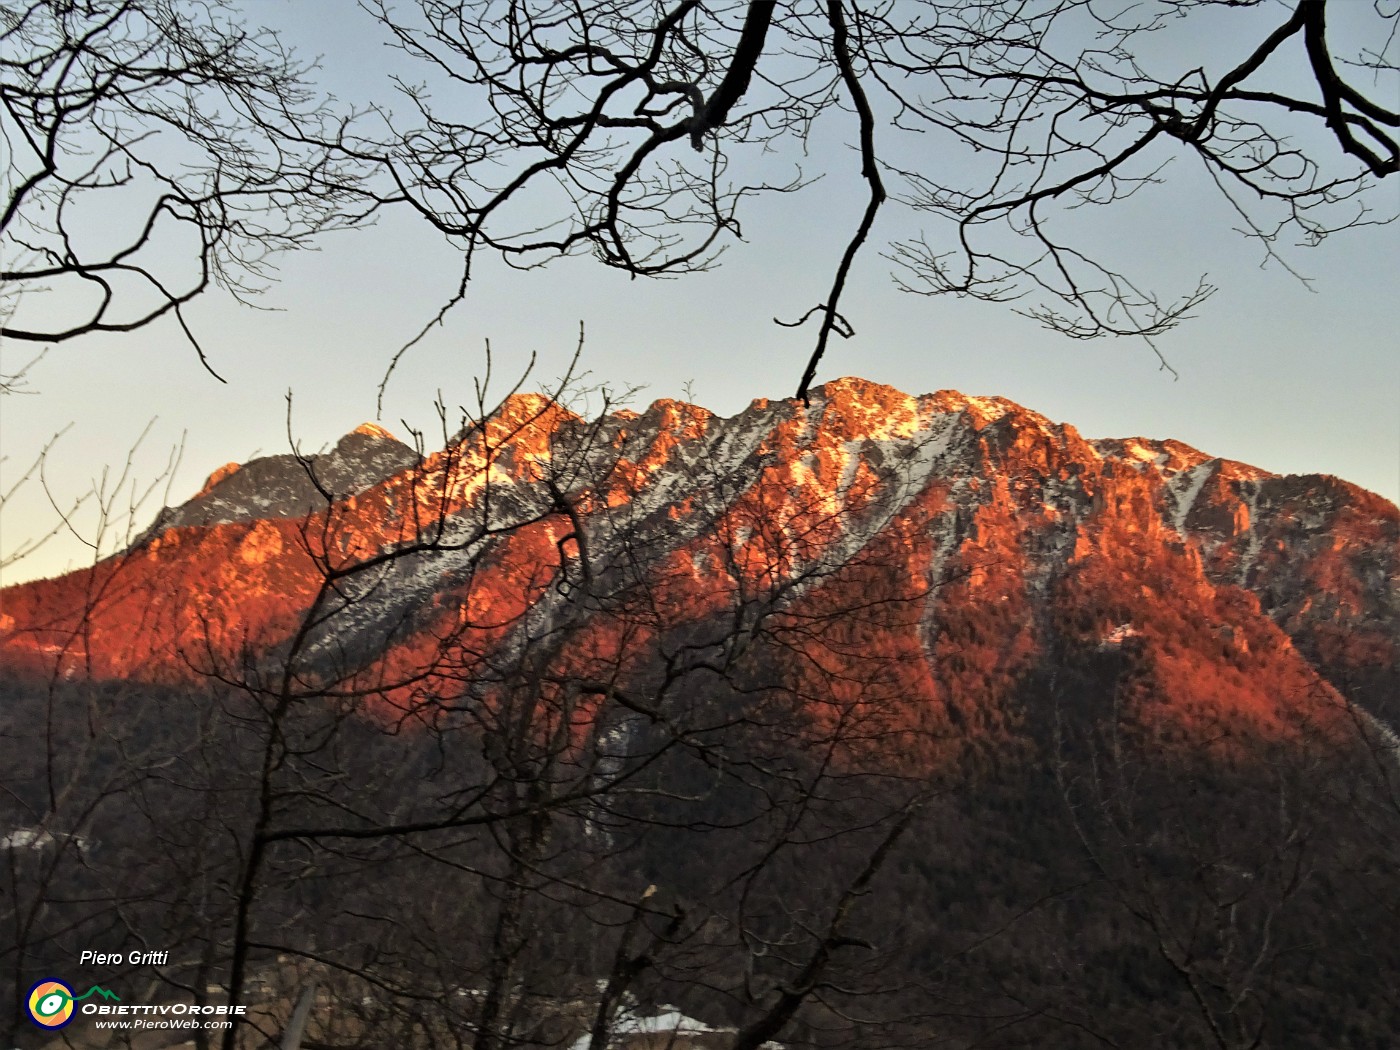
point(1290, 377)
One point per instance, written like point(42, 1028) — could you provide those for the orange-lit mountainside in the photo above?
point(966, 543)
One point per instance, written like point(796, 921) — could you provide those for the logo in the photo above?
point(51, 1002)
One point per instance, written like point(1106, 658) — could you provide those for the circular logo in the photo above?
point(51, 1004)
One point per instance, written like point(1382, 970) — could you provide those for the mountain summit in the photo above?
point(970, 541)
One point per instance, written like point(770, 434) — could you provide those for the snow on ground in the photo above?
point(669, 1021)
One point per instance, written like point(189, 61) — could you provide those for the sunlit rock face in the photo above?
point(922, 560)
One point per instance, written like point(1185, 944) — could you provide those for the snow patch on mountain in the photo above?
point(1184, 490)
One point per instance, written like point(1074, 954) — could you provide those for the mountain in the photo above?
point(874, 721)
point(995, 545)
point(289, 486)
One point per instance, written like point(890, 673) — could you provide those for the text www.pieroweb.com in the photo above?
point(130, 1016)
point(146, 1023)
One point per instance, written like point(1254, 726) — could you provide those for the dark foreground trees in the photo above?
point(1085, 899)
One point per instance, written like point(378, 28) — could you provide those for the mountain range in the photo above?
point(1008, 543)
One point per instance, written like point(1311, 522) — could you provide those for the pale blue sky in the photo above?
point(1291, 380)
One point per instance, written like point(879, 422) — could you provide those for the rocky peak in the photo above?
point(373, 430)
point(289, 486)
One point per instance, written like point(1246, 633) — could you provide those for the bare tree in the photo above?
point(636, 131)
point(153, 149)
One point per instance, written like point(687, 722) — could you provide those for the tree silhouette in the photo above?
point(636, 132)
point(640, 132)
point(153, 149)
